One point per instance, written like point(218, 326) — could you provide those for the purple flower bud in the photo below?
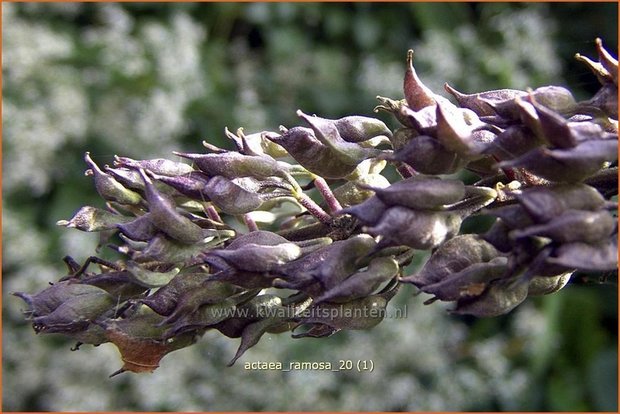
point(422, 193)
point(231, 164)
point(481, 103)
point(140, 229)
point(417, 94)
point(419, 229)
point(545, 203)
point(163, 214)
point(567, 165)
point(573, 225)
point(362, 284)
point(452, 257)
point(349, 153)
point(599, 256)
point(428, 156)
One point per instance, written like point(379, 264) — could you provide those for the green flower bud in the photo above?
point(159, 166)
point(399, 109)
point(499, 298)
point(549, 284)
point(149, 278)
point(231, 164)
point(353, 192)
point(93, 219)
point(361, 128)
point(108, 187)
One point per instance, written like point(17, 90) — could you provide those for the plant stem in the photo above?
point(332, 203)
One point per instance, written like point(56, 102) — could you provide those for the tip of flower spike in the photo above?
point(95, 168)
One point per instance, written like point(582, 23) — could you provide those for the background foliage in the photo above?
point(141, 79)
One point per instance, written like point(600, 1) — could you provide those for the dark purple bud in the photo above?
point(480, 103)
point(349, 153)
point(567, 165)
point(469, 282)
point(417, 94)
point(422, 193)
point(428, 156)
point(163, 214)
point(120, 285)
point(513, 142)
point(452, 257)
point(140, 229)
point(165, 299)
point(599, 256)
point(232, 164)
point(362, 284)
point(545, 203)
point(369, 212)
point(211, 292)
point(75, 313)
point(573, 225)
point(302, 144)
point(342, 259)
point(191, 185)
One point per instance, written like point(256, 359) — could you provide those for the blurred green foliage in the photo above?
point(142, 79)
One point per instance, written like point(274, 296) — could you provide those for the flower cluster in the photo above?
point(547, 171)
